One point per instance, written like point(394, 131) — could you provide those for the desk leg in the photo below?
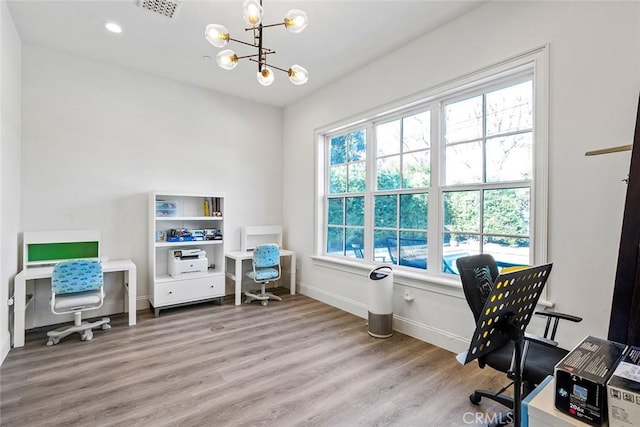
point(293, 275)
point(238, 272)
point(19, 307)
point(131, 283)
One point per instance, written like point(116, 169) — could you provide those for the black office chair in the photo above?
point(541, 354)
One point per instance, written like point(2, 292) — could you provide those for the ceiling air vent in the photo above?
point(163, 7)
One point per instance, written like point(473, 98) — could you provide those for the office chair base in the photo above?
point(477, 395)
point(501, 418)
point(85, 329)
point(263, 297)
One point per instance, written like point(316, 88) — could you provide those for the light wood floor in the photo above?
point(297, 362)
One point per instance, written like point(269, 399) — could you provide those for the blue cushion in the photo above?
point(266, 255)
point(76, 276)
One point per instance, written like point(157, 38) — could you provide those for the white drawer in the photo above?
point(179, 291)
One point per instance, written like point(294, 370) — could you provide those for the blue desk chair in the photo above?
point(266, 269)
point(77, 286)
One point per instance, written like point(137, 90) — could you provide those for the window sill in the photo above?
point(401, 276)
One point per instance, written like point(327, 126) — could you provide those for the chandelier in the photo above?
point(295, 21)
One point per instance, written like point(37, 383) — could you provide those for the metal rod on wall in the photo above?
point(608, 150)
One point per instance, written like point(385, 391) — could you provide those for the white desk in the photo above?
point(20, 293)
point(239, 256)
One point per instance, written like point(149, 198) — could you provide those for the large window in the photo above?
point(423, 186)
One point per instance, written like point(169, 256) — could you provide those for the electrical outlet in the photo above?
point(408, 296)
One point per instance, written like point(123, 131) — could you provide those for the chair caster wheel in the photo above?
point(265, 302)
point(87, 336)
point(475, 399)
point(106, 326)
point(53, 341)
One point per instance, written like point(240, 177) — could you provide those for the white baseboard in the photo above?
point(345, 304)
point(5, 346)
point(421, 331)
point(426, 333)
point(142, 303)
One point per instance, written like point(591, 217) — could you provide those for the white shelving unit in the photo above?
point(169, 211)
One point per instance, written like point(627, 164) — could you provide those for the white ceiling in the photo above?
point(342, 36)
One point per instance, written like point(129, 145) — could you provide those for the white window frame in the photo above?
point(537, 60)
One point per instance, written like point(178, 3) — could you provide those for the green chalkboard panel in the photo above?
point(42, 252)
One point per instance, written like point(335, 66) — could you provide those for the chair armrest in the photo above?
point(556, 317)
point(562, 316)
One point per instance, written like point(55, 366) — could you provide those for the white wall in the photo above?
point(594, 86)
point(97, 138)
point(10, 141)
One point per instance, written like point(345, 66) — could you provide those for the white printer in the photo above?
point(183, 261)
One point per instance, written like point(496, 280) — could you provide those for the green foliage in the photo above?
point(335, 239)
point(337, 179)
point(413, 211)
point(487, 140)
point(389, 173)
point(505, 211)
point(462, 211)
point(385, 211)
point(350, 147)
point(335, 215)
point(347, 155)
point(355, 211)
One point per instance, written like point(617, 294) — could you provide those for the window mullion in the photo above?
point(484, 138)
point(344, 220)
point(435, 221)
point(370, 187)
point(484, 170)
point(327, 184)
point(401, 140)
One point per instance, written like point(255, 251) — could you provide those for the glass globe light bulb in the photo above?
point(265, 77)
point(298, 75)
point(227, 59)
point(217, 35)
point(296, 20)
point(252, 12)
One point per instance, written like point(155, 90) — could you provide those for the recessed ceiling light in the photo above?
point(113, 27)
